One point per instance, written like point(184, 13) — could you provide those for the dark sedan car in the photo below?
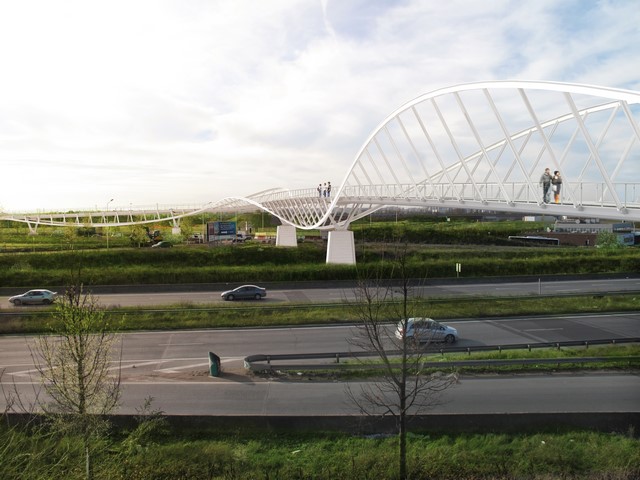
point(244, 292)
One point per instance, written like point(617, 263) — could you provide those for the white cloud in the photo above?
point(177, 102)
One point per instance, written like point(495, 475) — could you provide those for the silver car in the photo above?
point(34, 297)
point(244, 292)
point(426, 330)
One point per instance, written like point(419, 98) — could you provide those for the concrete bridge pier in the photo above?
point(286, 236)
point(175, 226)
point(341, 247)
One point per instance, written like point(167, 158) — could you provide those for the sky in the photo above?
point(131, 103)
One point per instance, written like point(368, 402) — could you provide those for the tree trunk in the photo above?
point(87, 459)
point(402, 427)
point(403, 447)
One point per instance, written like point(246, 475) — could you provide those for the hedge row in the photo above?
point(265, 263)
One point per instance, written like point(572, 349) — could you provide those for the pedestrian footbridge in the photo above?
point(480, 146)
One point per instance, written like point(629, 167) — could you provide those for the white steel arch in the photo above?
point(478, 146)
point(483, 146)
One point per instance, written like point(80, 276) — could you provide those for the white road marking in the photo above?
point(231, 359)
point(23, 373)
point(133, 364)
point(197, 365)
point(177, 369)
point(156, 382)
point(137, 364)
point(541, 329)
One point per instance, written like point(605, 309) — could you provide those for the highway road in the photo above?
point(532, 393)
point(320, 295)
point(172, 367)
point(136, 296)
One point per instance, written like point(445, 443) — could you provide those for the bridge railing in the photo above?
point(587, 194)
point(584, 193)
point(578, 193)
point(307, 208)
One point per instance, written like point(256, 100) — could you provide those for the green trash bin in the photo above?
point(214, 365)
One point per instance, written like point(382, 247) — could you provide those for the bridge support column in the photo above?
point(341, 247)
point(286, 236)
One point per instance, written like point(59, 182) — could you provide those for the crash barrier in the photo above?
point(309, 361)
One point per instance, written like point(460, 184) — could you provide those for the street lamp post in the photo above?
point(107, 220)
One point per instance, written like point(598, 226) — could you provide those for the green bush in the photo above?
point(266, 263)
point(476, 245)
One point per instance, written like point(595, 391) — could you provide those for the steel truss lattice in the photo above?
point(480, 146)
point(484, 146)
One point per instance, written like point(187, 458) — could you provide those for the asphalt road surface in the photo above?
point(320, 295)
point(136, 296)
point(172, 367)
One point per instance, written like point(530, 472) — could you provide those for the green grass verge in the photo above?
point(195, 454)
point(620, 358)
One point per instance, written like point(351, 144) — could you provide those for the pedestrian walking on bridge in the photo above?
point(556, 185)
point(545, 183)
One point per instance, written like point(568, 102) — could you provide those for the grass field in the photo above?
point(53, 257)
point(154, 450)
point(158, 452)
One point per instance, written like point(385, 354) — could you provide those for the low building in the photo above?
point(585, 234)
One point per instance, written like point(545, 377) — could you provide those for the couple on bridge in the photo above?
point(550, 183)
point(324, 190)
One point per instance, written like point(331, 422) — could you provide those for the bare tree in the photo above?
point(404, 388)
point(75, 365)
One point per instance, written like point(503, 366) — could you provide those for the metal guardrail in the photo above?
point(262, 362)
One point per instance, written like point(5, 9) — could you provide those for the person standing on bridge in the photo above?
point(328, 189)
point(556, 184)
point(545, 183)
point(319, 190)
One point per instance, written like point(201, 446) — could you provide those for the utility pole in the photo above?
point(107, 220)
